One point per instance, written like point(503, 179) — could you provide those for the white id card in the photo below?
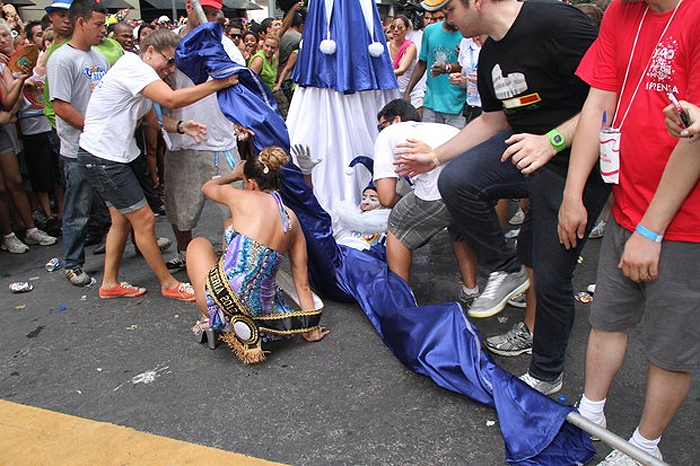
point(166, 138)
point(610, 154)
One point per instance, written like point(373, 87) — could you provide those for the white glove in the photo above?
point(302, 154)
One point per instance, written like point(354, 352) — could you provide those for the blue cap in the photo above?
point(58, 5)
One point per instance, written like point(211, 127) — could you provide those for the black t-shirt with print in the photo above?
point(529, 73)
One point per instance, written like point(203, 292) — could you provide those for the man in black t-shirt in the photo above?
point(519, 147)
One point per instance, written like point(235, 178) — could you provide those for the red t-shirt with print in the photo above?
point(673, 61)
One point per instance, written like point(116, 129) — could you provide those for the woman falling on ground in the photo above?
point(237, 293)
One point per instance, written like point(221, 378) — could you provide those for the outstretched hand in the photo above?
point(316, 334)
point(413, 158)
point(195, 130)
point(304, 159)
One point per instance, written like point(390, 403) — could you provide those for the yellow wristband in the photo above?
point(434, 158)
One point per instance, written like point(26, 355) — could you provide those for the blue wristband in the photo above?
point(648, 234)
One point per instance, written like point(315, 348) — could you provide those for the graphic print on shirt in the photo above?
point(94, 73)
point(660, 76)
point(507, 87)
point(445, 55)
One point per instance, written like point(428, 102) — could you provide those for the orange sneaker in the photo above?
point(124, 290)
point(183, 292)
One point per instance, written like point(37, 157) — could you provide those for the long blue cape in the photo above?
point(437, 341)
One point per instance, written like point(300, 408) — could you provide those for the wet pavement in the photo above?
point(345, 400)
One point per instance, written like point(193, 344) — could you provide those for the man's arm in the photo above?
point(414, 157)
point(418, 72)
point(584, 154)
point(640, 258)
point(386, 191)
point(67, 113)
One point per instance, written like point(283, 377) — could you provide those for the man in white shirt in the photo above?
point(421, 214)
point(190, 164)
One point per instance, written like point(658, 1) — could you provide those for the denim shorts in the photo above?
point(6, 145)
point(114, 181)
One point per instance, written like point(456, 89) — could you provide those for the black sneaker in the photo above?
point(177, 263)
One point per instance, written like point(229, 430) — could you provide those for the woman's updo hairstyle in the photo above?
point(266, 168)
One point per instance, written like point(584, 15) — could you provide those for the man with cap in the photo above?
point(421, 214)
point(443, 102)
point(189, 164)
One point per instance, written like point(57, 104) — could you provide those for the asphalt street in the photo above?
point(343, 401)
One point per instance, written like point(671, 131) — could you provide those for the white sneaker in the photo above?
point(617, 458)
point(501, 287)
point(518, 218)
point(39, 237)
point(11, 243)
point(546, 388)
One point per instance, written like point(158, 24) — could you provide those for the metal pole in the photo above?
point(613, 440)
point(175, 18)
point(272, 7)
point(199, 11)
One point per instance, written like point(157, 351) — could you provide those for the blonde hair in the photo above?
point(160, 39)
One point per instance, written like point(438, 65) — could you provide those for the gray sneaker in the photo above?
point(467, 299)
point(12, 244)
point(518, 218)
point(545, 388)
point(501, 287)
point(39, 237)
point(598, 230)
point(514, 342)
point(518, 301)
point(177, 263)
point(77, 276)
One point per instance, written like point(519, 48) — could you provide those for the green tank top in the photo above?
point(268, 74)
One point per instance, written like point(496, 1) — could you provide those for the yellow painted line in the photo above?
point(34, 436)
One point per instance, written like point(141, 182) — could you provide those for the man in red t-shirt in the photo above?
point(645, 50)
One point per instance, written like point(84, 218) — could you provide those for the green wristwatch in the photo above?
point(557, 140)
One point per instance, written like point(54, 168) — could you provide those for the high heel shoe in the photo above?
point(201, 330)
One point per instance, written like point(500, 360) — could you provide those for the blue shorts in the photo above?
point(114, 181)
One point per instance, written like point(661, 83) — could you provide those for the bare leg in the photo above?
point(398, 256)
point(502, 212)
point(5, 226)
point(144, 225)
point(466, 259)
point(604, 357)
point(58, 193)
point(200, 260)
point(182, 238)
point(666, 391)
point(13, 182)
point(44, 204)
point(114, 248)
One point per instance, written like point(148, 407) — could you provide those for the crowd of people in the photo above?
point(498, 100)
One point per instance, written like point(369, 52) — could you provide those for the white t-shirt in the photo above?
point(115, 107)
point(221, 133)
point(469, 60)
point(433, 134)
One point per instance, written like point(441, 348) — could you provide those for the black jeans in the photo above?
point(470, 185)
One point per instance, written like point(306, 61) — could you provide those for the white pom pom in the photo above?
point(327, 46)
point(349, 171)
point(376, 49)
point(301, 44)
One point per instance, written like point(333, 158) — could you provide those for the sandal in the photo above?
point(202, 328)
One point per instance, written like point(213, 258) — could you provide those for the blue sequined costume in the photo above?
point(251, 268)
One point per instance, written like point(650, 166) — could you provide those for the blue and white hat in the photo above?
point(58, 5)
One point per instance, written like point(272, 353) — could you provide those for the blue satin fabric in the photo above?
point(436, 341)
point(351, 68)
point(250, 103)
